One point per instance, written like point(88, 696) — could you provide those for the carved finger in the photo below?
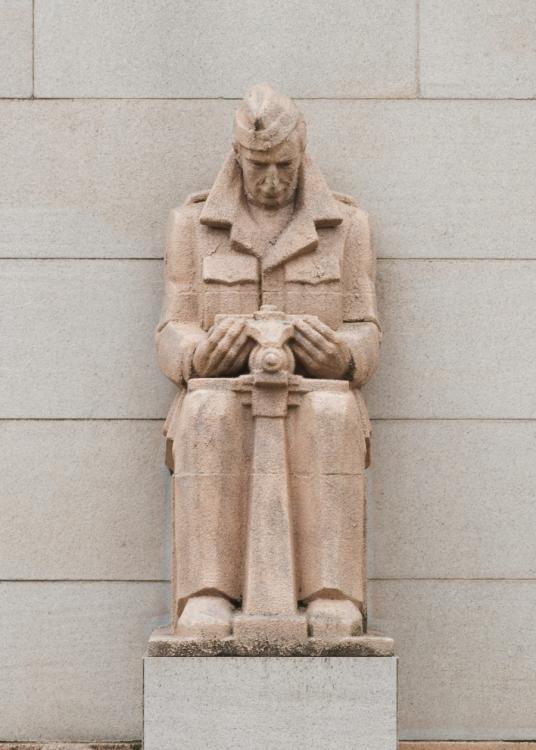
point(243, 355)
point(200, 358)
point(313, 336)
point(225, 343)
point(322, 328)
point(305, 358)
point(234, 350)
point(307, 345)
point(218, 331)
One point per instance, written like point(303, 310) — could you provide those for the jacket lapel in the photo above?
point(224, 197)
point(316, 207)
point(298, 238)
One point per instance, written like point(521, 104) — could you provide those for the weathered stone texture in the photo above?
point(402, 746)
point(438, 178)
point(482, 48)
point(71, 656)
point(92, 504)
point(16, 78)
point(452, 499)
point(467, 746)
point(95, 178)
point(273, 703)
point(160, 48)
point(71, 746)
point(94, 318)
point(87, 329)
point(467, 656)
point(420, 471)
point(449, 350)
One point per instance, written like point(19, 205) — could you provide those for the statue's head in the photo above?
point(269, 142)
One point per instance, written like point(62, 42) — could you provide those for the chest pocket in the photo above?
point(309, 270)
point(230, 269)
point(313, 287)
point(230, 285)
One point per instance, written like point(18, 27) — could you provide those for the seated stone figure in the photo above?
point(269, 234)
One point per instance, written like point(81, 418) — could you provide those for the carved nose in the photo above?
point(272, 176)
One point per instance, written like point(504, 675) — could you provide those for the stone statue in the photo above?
point(269, 329)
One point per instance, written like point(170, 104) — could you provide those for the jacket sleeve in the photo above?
point(361, 329)
point(178, 331)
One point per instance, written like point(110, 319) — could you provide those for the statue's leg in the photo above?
point(327, 451)
point(209, 487)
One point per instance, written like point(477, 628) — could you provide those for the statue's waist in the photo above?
point(233, 384)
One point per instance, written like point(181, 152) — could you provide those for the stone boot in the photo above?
point(206, 617)
point(334, 619)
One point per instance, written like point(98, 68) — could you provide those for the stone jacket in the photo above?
point(322, 264)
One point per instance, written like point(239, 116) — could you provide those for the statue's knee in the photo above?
point(208, 430)
point(330, 407)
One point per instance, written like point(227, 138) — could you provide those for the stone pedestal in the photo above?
point(270, 703)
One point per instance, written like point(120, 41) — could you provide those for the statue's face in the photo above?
point(271, 177)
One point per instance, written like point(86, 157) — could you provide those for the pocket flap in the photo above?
point(311, 270)
point(230, 269)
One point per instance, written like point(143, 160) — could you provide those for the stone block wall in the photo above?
point(111, 112)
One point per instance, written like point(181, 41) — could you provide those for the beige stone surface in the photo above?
point(438, 312)
point(269, 703)
point(483, 48)
point(70, 746)
point(467, 745)
point(408, 506)
point(438, 178)
point(163, 642)
point(402, 746)
point(16, 77)
point(96, 179)
point(452, 499)
point(160, 48)
point(466, 656)
point(449, 350)
point(71, 656)
point(87, 329)
point(92, 502)
point(269, 303)
point(74, 186)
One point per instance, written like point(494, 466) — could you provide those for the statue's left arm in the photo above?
point(360, 330)
point(178, 331)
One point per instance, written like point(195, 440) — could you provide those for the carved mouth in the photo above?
point(270, 196)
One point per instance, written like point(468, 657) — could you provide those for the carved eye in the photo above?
point(284, 164)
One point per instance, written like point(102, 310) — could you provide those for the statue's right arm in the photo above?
point(178, 331)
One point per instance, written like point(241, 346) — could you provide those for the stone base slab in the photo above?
point(240, 703)
point(71, 746)
point(426, 745)
point(465, 745)
point(257, 628)
point(163, 643)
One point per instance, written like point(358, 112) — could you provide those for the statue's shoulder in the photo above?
point(351, 208)
point(194, 198)
point(347, 199)
point(190, 209)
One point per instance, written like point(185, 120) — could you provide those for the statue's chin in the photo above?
point(271, 202)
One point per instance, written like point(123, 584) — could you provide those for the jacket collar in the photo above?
point(226, 207)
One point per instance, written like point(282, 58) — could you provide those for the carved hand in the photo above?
point(319, 349)
point(224, 351)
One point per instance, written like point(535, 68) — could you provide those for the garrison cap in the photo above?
point(265, 118)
